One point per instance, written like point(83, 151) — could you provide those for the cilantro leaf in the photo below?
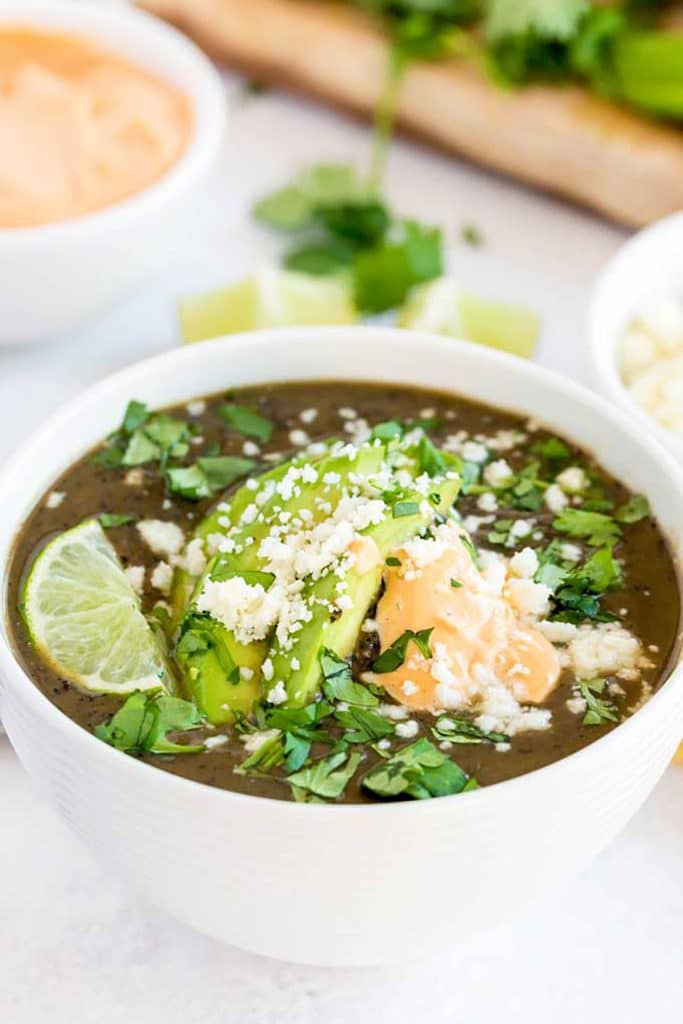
point(383, 275)
point(596, 527)
point(339, 684)
point(208, 475)
point(419, 771)
point(142, 724)
point(394, 656)
point(247, 421)
point(328, 777)
point(363, 725)
point(319, 259)
point(459, 730)
point(553, 19)
point(387, 431)
point(300, 728)
point(295, 206)
point(404, 508)
point(598, 709)
point(109, 520)
point(635, 509)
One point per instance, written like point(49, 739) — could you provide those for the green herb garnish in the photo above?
point(339, 684)
point(394, 656)
point(142, 725)
point(598, 709)
point(635, 509)
point(209, 475)
point(328, 777)
point(247, 421)
point(109, 520)
point(598, 529)
point(404, 508)
point(459, 730)
point(419, 771)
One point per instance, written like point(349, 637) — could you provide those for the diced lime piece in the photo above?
point(501, 325)
point(441, 307)
point(273, 298)
point(84, 617)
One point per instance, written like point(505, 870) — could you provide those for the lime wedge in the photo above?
point(84, 617)
point(441, 307)
point(272, 298)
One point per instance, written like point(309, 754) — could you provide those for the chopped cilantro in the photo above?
point(392, 561)
point(419, 771)
point(635, 509)
point(469, 548)
point(390, 430)
point(109, 520)
point(598, 709)
point(394, 656)
point(142, 724)
point(339, 684)
point(300, 728)
point(363, 726)
point(432, 461)
point(209, 475)
point(328, 777)
point(384, 274)
point(596, 527)
point(552, 449)
point(455, 583)
point(459, 730)
point(247, 421)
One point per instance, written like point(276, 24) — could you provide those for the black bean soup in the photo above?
point(522, 488)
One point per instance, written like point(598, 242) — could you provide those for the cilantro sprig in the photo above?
point(419, 771)
point(143, 724)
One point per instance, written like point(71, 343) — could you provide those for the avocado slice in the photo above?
point(340, 634)
point(211, 658)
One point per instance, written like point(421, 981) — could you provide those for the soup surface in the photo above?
point(80, 128)
point(355, 592)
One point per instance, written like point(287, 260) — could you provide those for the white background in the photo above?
point(74, 945)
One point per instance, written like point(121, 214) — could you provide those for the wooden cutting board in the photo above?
point(563, 140)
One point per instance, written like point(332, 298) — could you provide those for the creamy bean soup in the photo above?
point(341, 592)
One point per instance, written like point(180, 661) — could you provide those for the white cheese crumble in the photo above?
point(299, 438)
point(555, 498)
point(162, 538)
point(255, 740)
point(573, 480)
point(487, 502)
point(211, 742)
point(278, 693)
point(196, 407)
point(524, 563)
point(55, 499)
point(498, 473)
point(162, 577)
point(651, 362)
point(250, 449)
point(606, 648)
point(473, 451)
point(407, 730)
point(308, 415)
point(135, 574)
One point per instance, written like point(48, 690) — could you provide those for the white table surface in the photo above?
point(76, 946)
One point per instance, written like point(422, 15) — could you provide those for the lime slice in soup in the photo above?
point(272, 298)
point(84, 617)
point(443, 308)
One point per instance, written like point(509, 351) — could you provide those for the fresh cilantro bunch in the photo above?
point(341, 226)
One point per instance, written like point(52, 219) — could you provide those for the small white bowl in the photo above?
point(55, 276)
point(351, 884)
point(648, 268)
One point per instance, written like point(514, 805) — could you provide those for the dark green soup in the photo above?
point(299, 705)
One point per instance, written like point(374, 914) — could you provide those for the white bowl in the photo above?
point(647, 268)
point(56, 276)
point(345, 884)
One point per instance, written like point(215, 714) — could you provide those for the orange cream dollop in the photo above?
point(80, 128)
point(480, 639)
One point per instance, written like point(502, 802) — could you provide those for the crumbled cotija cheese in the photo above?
point(162, 538)
point(162, 577)
point(651, 362)
point(135, 575)
point(55, 499)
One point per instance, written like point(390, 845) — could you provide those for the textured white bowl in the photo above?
point(56, 276)
point(649, 267)
point(347, 884)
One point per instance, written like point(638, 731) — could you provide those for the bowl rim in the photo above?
point(603, 349)
point(208, 105)
point(667, 692)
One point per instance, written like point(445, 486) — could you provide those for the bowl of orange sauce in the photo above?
point(110, 121)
